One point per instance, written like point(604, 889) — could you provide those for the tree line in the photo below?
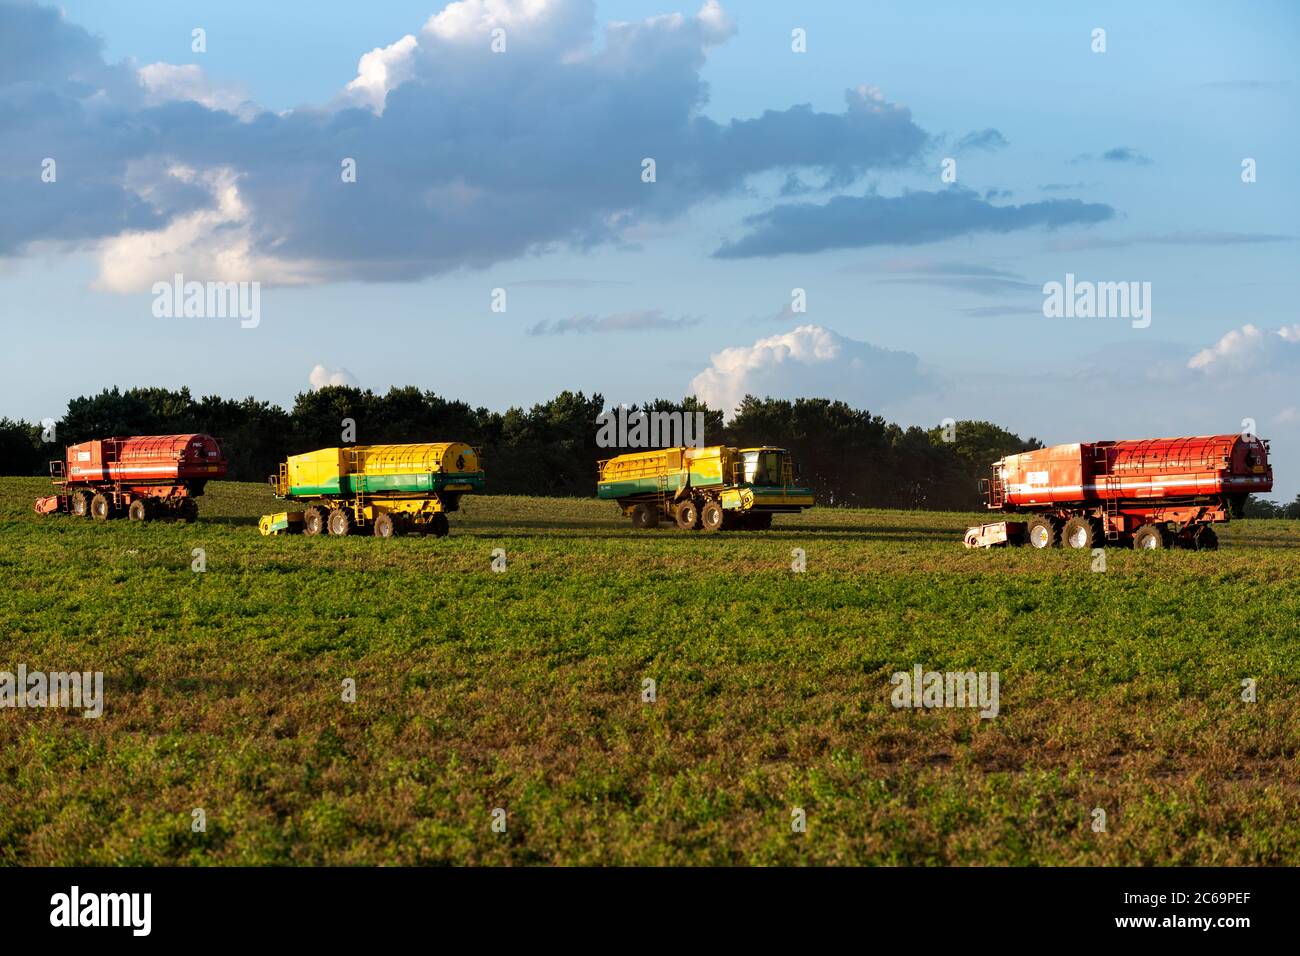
point(848, 456)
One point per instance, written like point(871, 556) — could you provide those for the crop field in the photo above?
point(524, 691)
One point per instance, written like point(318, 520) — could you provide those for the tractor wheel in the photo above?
point(1206, 540)
point(687, 515)
point(384, 526)
point(1150, 537)
point(139, 510)
point(340, 522)
point(187, 510)
point(439, 526)
point(760, 520)
point(101, 509)
point(1080, 532)
point(643, 517)
point(1044, 532)
point(712, 516)
point(313, 520)
point(80, 504)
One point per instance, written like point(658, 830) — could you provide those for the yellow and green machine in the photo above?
point(386, 489)
point(703, 488)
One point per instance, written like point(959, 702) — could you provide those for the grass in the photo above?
point(523, 690)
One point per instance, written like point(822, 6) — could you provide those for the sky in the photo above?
point(855, 201)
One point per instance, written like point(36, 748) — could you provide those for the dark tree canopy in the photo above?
point(849, 456)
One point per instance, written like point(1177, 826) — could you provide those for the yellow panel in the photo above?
point(642, 464)
point(446, 457)
point(313, 469)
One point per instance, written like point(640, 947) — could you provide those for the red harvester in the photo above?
point(150, 476)
point(1152, 493)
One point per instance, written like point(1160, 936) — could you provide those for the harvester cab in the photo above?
point(765, 467)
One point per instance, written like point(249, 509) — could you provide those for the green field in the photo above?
point(522, 690)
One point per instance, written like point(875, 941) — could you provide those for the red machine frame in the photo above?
point(142, 477)
point(1154, 493)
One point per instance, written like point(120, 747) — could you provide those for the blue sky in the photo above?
point(521, 170)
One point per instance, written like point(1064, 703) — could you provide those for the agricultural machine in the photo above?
point(1150, 494)
point(387, 489)
point(146, 477)
point(710, 488)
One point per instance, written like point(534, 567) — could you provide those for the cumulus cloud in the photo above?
point(213, 243)
point(60, 100)
point(1250, 348)
point(381, 70)
point(808, 360)
point(517, 152)
point(635, 321)
point(322, 377)
point(846, 222)
point(167, 82)
point(464, 157)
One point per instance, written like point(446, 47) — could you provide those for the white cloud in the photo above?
point(321, 377)
point(210, 244)
point(1250, 348)
point(167, 82)
point(808, 361)
point(381, 70)
point(546, 136)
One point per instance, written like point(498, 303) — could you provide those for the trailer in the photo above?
point(384, 489)
point(711, 488)
point(1148, 494)
point(142, 477)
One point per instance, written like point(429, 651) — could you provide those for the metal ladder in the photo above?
point(1109, 504)
point(358, 486)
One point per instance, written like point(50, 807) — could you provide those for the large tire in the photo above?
point(384, 526)
point(340, 522)
point(187, 510)
point(439, 526)
point(1206, 539)
point(1044, 532)
point(712, 516)
point(1151, 537)
point(687, 515)
point(80, 504)
point(759, 520)
point(644, 517)
point(139, 510)
point(101, 507)
point(1080, 533)
point(313, 520)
